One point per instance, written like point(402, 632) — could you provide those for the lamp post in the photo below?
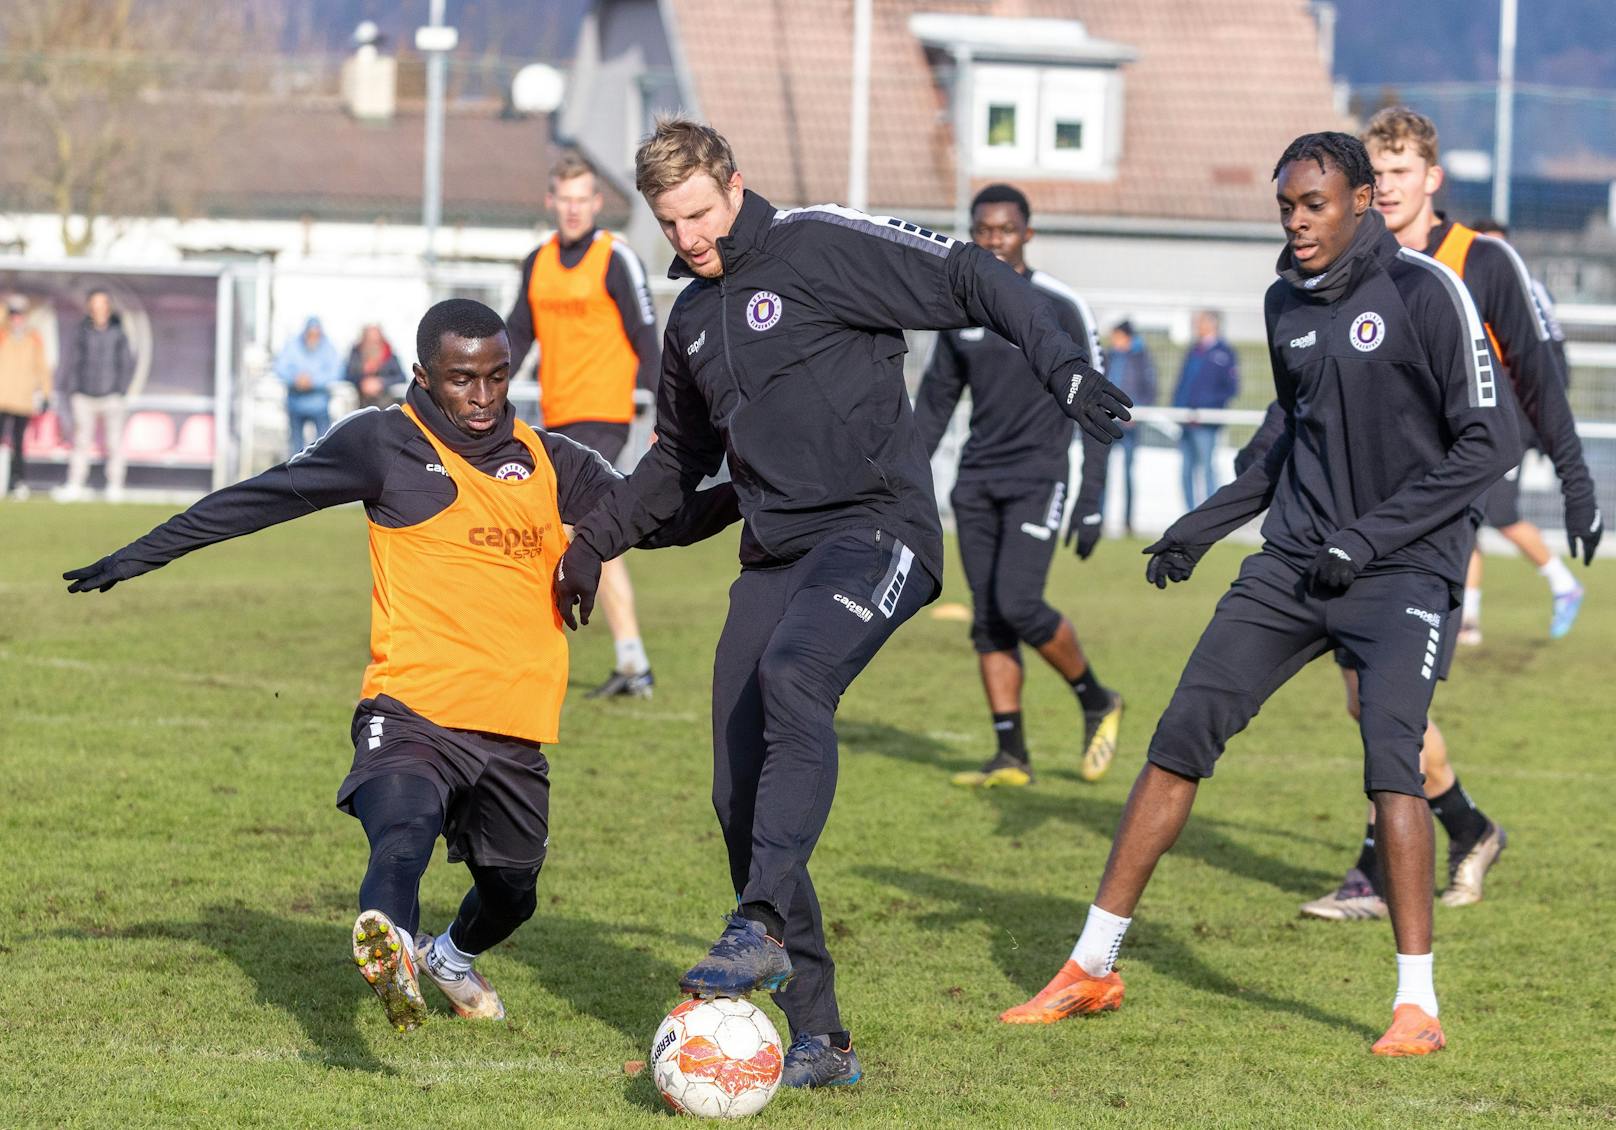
point(1504, 114)
point(435, 41)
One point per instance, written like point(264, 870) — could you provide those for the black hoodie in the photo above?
point(791, 365)
point(1395, 416)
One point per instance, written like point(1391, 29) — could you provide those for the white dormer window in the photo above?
point(1044, 97)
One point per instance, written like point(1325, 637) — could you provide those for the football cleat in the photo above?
point(1100, 729)
point(1004, 769)
point(1469, 634)
point(623, 685)
point(386, 959)
point(743, 960)
point(1468, 866)
point(469, 993)
point(1073, 992)
point(812, 1061)
point(1413, 1032)
point(1353, 901)
point(1566, 608)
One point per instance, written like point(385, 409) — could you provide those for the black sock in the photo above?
point(1461, 819)
point(841, 1040)
point(1090, 691)
point(1368, 861)
point(773, 924)
point(1007, 728)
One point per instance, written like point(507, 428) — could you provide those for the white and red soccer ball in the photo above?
point(717, 1058)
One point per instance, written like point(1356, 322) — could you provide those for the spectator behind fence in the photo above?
point(1131, 368)
point(25, 386)
point(94, 380)
point(308, 365)
point(373, 368)
point(1209, 378)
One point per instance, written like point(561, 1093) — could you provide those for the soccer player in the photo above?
point(1403, 148)
point(785, 354)
point(1502, 504)
point(468, 660)
point(1008, 500)
point(585, 300)
point(1393, 424)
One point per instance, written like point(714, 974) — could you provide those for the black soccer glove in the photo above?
point(102, 575)
point(577, 576)
point(1094, 402)
point(1584, 524)
point(1332, 571)
point(1170, 561)
point(1083, 533)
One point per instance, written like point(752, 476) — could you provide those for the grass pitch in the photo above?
point(178, 886)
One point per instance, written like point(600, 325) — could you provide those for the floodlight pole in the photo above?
point(964, 139)
point(432, 174)
point(1504, 119)
point(858, 164)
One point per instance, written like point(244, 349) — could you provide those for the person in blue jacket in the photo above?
point(1209, 378)
point(308, 365)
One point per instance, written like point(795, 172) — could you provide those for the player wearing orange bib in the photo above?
point(468, 663)
point(585, 301)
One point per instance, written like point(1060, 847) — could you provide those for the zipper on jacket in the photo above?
point(723, 323)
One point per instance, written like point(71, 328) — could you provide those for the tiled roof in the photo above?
point(297, 158)
point(1218, 89)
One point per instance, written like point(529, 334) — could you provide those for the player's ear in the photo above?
point(1361, 197)
point(1434, 176)
point(420, 376)
point(1026, 236)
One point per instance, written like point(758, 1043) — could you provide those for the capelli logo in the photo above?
point(695, 347)
point(855, 608)
point(510, 541)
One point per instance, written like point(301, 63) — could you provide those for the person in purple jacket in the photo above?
point(1209, 378)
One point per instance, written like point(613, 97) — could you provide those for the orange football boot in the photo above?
point(1413, 1032)
point(1072, 993)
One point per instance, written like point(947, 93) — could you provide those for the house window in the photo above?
point(1059, 120)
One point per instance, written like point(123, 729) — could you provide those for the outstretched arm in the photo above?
point(347, 464)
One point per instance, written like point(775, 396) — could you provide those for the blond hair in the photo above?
point(570, 165)
point(1396, 128)
point(678, 148)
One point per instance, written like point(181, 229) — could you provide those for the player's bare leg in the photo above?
point(1407, 852)
point(631, 677)
point(1064, 653)
point(1002, 677)
point(1157, 809)
point(1563, 587)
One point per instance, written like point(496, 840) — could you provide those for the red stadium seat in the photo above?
point(195, 444)
point(148, 436)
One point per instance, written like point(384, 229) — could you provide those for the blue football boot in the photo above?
point(743, 960)
point(813, 1061)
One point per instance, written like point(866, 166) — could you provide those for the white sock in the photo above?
point(631, 657)
point(448, 957)
point(1097, 946)
point(1559, 577)
point(1472, 607)
point(1414, 984)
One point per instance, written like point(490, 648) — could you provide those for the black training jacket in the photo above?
point(1395, 419)
point(1017, 431)
point(791, 364)
point(380, 458)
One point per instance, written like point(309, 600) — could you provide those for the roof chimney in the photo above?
point(369, 78)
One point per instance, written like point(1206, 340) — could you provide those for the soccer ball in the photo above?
point(716, 1058)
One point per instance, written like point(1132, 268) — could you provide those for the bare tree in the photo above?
point(112, 104)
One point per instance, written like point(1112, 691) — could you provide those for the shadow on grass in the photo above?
point(607, 971)
point(888, 741)
point(1024, 811)
point(297, 965)
point(1012, 912)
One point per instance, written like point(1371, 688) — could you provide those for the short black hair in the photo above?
point(1342, 150)
point(462, 317)
point(1003, 194)
point(1489, 226)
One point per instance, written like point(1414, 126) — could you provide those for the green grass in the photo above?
point(178, 886)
